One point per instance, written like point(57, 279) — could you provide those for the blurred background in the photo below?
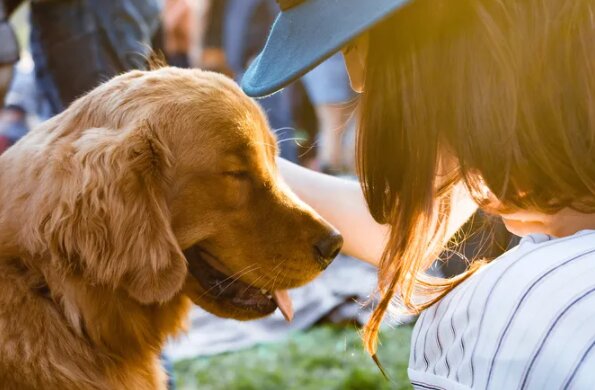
point(52, 51)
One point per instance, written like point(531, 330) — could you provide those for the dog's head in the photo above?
point(165, 182)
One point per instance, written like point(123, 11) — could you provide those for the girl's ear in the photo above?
point(112, 222)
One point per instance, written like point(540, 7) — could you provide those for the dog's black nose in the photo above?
point(328, 248)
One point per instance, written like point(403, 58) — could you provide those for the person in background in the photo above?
point(13, 125)
point(12, 117)
point(328, 88)
point(23, 105)
point(180, 21)
point(213, 54)
point(77, 44)
point(244, 29)
point(9, 51)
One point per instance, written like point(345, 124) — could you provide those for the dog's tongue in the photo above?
point(282, 299)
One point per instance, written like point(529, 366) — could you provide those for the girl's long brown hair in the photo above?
point(506, 90)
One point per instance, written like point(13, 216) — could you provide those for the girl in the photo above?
point(489, 100)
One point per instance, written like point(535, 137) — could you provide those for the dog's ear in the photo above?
point(112, 222)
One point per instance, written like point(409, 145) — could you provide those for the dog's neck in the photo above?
point(106, 320)
point(113, 321)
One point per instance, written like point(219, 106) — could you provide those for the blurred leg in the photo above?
point(333, 120)
point(329, 91)
point(5, 78)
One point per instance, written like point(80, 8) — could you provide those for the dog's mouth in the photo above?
point(221, 287)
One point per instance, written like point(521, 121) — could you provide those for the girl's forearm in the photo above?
point(342, 204)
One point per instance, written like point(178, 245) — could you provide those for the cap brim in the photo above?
point(304, 36)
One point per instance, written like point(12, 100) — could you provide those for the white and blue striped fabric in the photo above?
point(525, 321)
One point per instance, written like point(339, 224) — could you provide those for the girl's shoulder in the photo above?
point(524, 321)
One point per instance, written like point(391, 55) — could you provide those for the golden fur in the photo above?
point(99, 204)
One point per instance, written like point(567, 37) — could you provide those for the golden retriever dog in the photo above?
point(155, 190)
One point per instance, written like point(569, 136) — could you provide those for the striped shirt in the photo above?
point(525, 321)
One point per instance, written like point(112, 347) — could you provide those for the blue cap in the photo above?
point(306, 33)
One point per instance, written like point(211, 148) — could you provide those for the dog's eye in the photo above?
point(238, 175)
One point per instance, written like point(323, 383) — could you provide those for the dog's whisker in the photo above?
point(240, 273)
point(221, 290)
point(276, 267)
point(282, 275)
point(251, 285)
point(274, 280)
point(282, 278)
point(279, 129)
point(289, 139)
point(236, 275)
point(279, 264)
point(262, 276)
point(294, 139)
point(278, 273)
point(232, 279)
point(309, 149)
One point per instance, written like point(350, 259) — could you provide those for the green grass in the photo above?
point(323, 358)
